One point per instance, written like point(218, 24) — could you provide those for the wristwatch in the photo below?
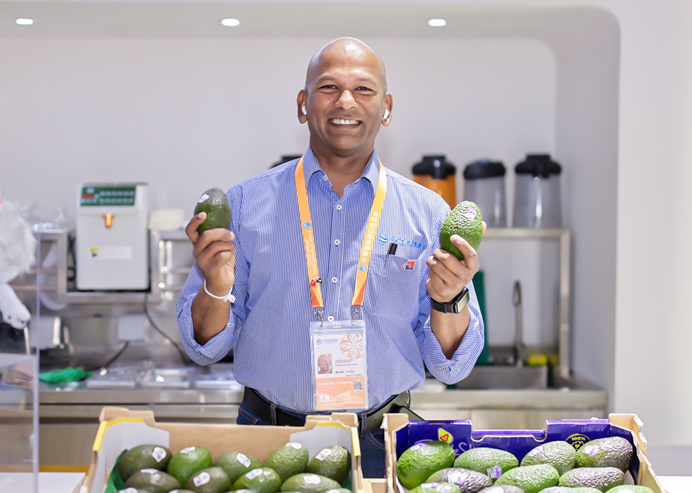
point(454, 306)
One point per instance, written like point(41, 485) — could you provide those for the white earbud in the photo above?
point(305, 112)
point(386, 114)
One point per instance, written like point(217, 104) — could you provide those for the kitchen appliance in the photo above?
point(537, 202)
point(439, 175)
point(485, 185)
point(112, 241)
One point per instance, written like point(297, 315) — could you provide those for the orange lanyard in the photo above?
point(309, 240)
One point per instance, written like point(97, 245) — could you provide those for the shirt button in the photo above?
point(325, 178)
point(337, 242)
point(339, 207)
point(330, 318)
point(334, 279)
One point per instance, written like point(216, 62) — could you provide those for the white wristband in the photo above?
point(229, 297)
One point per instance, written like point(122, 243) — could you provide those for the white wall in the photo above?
point(185, 115)
point(654, 269)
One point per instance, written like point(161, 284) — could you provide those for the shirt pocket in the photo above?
point(394, 286)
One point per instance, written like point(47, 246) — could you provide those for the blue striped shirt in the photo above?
point(270, 319)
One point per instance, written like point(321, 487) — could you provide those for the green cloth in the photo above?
point(64, 376)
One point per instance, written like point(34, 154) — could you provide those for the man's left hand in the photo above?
point(449, 275)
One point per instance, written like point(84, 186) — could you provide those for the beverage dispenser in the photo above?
point(112, 247)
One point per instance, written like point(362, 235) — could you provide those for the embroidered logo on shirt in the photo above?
point(409, 265)
point(401, 241)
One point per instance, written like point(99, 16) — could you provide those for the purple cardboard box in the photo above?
point(400, 434)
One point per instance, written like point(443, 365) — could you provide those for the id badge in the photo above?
point(339, 365)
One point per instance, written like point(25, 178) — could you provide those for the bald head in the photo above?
point(345, 50)
point(345, 102)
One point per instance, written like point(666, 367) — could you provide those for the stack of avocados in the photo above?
point(553, 467)
point(153, 469)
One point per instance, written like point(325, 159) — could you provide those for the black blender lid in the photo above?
point(538, 165)
point(436, 166)
point(484, 168)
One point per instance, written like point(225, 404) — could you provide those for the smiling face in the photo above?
point(324, 363)
point(345, 97)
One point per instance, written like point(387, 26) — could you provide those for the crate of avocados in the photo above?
point(584, 455)
point(132, 452)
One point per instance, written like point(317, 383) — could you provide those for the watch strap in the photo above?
point(454, 306)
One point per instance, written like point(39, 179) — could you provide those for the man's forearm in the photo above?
point(209, 316)
point(449, 328)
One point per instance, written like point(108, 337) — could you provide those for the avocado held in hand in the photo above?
point(466, 221)
point(215, 204)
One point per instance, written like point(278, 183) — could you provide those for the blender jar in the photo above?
point(485, 185)
point(537, 202)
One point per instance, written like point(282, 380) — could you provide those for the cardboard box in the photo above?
point(400, 434)
point(123, 429)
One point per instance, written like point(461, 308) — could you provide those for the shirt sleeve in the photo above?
point(451, 371)
point(219, 346)
point(456, 368)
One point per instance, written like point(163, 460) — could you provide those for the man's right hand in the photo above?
point(215, 255)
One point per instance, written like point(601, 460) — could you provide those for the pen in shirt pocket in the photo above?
point(390, 251)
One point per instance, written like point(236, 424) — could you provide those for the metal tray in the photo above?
point(115, 379)
point(178, 378)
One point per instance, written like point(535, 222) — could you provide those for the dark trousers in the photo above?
point(371, 445)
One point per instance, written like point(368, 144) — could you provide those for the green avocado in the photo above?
point(531, 479)
point(419, 461)
point(236, 464)
point(600, 478)
point(606, 452)
point(331, 462)
point(467, 480)
point(262, 480)
point(627, 488)
point(466, 221)
point(209, 480)
point(187, 462)
point(436, 488)
point(288, 460)
point(152, 481)
point(502, 488)
point(564, 489)
point(306, 482)
point(143, 457)
point(489, 461)
point(560, 455)
point(215, 203)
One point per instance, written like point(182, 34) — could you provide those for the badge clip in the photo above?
point(355, 311)
point(319, 312)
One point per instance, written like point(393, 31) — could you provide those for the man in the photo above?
point(324, 363)
point(331, 238)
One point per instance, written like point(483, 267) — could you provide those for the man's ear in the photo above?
point(388, 104)
point(302, 101)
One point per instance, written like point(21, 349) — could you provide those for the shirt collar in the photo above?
point(371, 172)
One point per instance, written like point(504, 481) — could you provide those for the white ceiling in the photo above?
point(201, 19)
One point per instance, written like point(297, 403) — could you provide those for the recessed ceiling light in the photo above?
point(437, 23)
point(24, 22)
point(230, 22)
